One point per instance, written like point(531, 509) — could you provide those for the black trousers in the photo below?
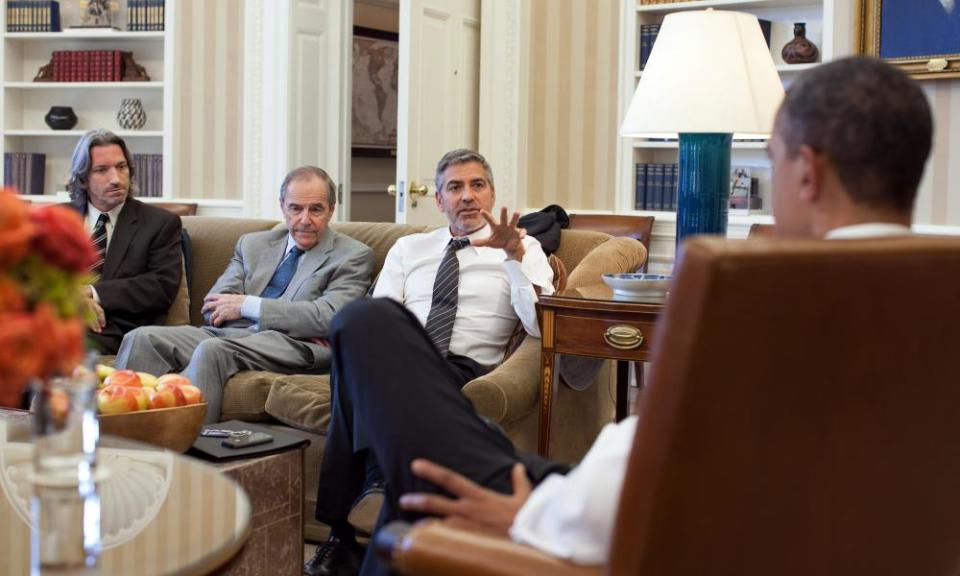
point(396, 398)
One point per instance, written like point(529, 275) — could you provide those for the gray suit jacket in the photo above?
point(334, 272)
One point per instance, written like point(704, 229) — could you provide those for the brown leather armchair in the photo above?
point(802, 417)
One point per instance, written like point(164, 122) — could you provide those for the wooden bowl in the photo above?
point(171, 428)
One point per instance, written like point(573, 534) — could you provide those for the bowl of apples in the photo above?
point(167, 411)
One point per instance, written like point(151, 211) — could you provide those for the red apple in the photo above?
point(167, 396)
point(192, 394)
point(122, 378)
point(174, 379)
point(117, 399)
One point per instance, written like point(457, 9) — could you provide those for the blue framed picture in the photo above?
point(921, 36)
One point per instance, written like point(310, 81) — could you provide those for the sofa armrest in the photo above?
point(511, 390)
point(435, 548)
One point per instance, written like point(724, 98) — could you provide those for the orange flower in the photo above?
point(19, 357)
point(60, 345)
point(11, 298)
point(61, 238)
point(15, 229)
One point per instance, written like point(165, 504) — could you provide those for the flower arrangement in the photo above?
point(45, 254)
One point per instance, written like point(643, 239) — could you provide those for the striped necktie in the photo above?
point(283, 274)
point(446, 287)
point(99, 239)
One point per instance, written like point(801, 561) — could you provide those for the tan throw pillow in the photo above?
point(301, 401)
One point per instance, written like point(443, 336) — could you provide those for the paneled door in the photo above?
point(438, 97)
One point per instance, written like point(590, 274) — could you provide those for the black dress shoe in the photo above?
point(366, 509)
point(335, 558)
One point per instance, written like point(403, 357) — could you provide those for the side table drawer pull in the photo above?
point(623, 337)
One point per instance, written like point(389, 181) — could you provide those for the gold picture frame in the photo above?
point(919, 65)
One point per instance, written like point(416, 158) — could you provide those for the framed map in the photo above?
point(375, 68)
point(920, 36)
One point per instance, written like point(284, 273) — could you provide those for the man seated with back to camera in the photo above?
point(849, 147)
point(461, 288)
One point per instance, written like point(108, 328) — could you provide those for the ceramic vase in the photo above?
point(131, 115)
point(60, 118)
point(799, 50)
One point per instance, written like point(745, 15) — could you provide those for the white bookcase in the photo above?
point(25, 103)
point(819, 18)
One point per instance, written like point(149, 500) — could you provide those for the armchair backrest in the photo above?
point(802, 415)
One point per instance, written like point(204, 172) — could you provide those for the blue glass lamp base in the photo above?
point(704, 184)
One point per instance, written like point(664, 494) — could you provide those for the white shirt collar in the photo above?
point(868, 230)
point(93, 214)
point(483, 232)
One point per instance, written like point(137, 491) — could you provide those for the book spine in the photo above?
point(640, 187)
point(55, 16)
point(659, 173)
point(163, 19)
point(7, 165)
point(644, 45)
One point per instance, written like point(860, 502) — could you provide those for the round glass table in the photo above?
point(151, 512)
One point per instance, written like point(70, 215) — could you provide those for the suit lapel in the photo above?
point(123, 233)
point(310, 263)
point(265, 261)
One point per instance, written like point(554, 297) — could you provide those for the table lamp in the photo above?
point(710, 77)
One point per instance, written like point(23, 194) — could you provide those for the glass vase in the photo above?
point(65, 429)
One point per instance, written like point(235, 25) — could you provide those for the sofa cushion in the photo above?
point(619, 254)
point(379, 236)
point(245, 394)
point(301, 401)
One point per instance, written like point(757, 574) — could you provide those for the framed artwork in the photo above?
point(920, 36)
point(375, 69)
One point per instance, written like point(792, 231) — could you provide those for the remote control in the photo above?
point(254, 439)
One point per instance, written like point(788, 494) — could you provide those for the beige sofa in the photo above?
point(508, 395)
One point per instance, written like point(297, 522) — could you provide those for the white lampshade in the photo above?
point(709, 72)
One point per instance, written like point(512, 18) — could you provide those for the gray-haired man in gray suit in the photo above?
point(271, 308)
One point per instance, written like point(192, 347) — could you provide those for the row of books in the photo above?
point(656, 186)
point(87, 66)
point(24, 171)
point(33, 16)
point(649, 33)
point(145, 15)
point(148, 174)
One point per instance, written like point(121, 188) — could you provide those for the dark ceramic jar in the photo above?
point(61, 118)
point(799, 50)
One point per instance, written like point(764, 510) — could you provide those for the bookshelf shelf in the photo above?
point(75, 36)
point(74, 134)
point(748, 5)
point(84, 85)
point(646, 144)
point(25, 103)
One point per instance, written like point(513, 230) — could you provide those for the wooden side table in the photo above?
point(587, 322)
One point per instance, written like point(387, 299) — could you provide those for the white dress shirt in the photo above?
point(91, 222)
point(572, 516)
point(493, 291)
point(250, 308)
point(868, 230)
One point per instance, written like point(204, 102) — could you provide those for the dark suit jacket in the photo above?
point(141, 274)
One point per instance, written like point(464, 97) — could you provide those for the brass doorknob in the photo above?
point(392, 189)
point(418, 190)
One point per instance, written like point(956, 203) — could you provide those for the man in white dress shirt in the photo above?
point(497, 275)
point(848, 151)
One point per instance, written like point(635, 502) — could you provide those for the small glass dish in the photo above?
point(636, 287)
